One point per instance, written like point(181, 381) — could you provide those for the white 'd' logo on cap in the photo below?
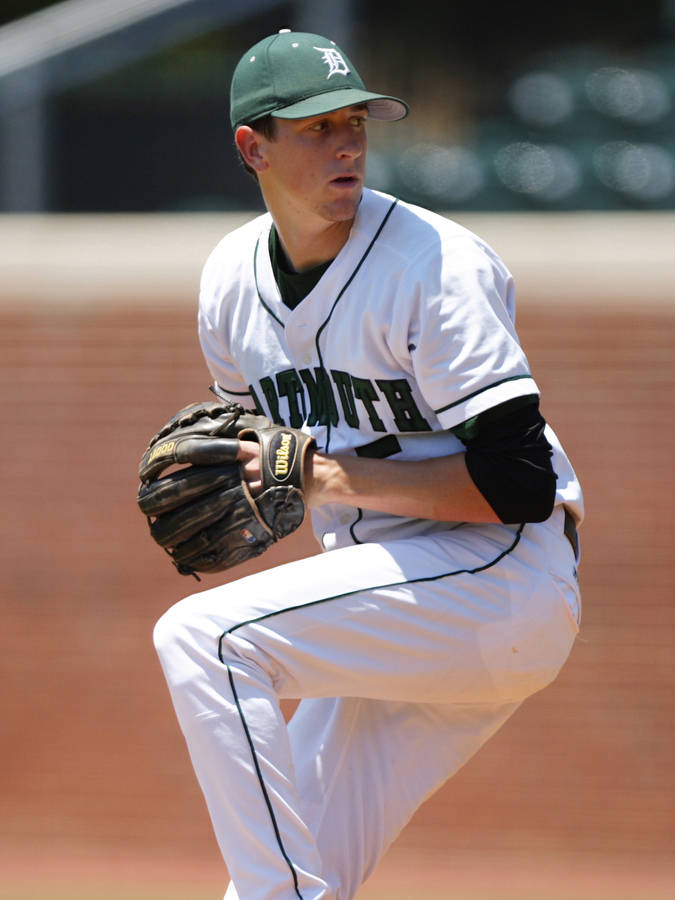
point(334, 61)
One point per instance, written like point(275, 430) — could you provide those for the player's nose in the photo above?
point(351, 144)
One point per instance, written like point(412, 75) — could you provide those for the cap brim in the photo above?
point(388, 109)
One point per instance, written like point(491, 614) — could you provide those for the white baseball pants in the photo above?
point(407, 655)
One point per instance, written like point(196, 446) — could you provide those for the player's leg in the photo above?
point(373, 765)
point(421, 629)
point(363, 767)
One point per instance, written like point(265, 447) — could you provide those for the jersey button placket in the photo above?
point(300, 343)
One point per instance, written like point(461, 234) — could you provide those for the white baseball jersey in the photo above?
point(411, 641)
point(409, 333)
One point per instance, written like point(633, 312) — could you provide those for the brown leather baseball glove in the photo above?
point(202, 513)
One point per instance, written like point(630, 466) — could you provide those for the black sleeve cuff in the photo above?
point(509, 460)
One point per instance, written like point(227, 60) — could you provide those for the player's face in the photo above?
point(317, 165)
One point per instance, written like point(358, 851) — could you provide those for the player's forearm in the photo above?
point(438, 488)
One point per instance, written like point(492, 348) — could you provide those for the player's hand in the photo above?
point(248, 457)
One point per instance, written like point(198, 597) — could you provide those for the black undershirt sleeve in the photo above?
point(509, 460)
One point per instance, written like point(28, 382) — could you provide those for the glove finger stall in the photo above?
point(199, 449)
point(181, 487)
point(174, 527)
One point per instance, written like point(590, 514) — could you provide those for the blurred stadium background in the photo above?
point(546, 128)
point(116, 105)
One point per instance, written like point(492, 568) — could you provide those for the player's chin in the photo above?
point(343, 200)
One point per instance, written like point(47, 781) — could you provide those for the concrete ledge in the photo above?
point(580, 258)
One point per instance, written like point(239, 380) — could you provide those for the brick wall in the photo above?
point(91, 753)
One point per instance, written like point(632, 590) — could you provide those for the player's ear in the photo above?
point(249, 144)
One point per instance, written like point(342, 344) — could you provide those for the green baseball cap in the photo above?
point(294, 74)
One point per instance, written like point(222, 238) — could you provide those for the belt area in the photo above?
point(570, 530)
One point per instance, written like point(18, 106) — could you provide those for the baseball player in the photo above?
point(445, 592)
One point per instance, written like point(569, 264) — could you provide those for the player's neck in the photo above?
point(306, 248)
point(310, 233)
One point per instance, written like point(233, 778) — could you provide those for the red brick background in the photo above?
point(91, 759)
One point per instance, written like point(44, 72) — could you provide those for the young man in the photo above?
point(446, 504)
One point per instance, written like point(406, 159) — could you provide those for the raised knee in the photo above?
point(196, 624)
point(171, 629)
